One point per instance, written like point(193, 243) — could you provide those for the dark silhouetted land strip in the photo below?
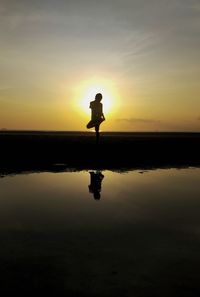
point(33, 150)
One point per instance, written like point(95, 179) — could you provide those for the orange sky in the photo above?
point(142, 55)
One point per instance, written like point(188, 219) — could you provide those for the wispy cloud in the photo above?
point(139, 120)
point(159, 125)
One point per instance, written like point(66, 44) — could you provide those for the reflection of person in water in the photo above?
point(97, 116)
point(95, 184)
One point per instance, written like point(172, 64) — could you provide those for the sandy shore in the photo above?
point(35, 150)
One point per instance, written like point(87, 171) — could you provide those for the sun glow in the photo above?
point(87, 92)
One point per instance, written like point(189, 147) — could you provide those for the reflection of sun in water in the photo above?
point(87, 93)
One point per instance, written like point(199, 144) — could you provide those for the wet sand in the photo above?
point(142, 262)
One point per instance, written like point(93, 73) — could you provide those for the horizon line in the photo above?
point(91, 131)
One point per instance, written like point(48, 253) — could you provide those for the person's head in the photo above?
point(98, 97)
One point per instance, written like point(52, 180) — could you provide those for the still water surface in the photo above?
point(101, 234)
point(164, 198)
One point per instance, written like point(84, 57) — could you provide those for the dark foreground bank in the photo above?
point(64, 150)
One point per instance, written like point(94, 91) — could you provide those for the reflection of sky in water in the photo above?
point(167, 198)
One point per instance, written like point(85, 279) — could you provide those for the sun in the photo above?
point(87, 92)
point(90, 96)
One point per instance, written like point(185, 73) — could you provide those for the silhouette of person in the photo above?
point(97, 116)
point(95, 184)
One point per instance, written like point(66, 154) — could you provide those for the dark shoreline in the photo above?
point(61, 151)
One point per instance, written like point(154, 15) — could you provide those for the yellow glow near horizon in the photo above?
point(87, 92)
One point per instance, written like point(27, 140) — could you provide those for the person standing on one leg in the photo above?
point(97, 116)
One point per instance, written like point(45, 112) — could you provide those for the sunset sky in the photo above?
point(143, 55)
